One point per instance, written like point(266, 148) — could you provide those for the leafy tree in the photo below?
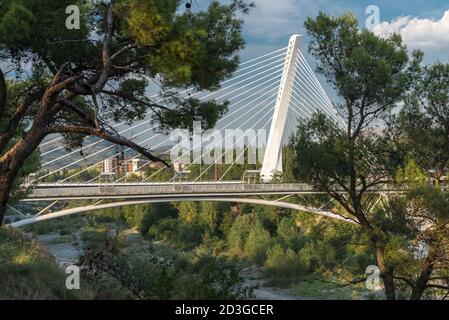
point(155, 213)
point(421, 129)
point(418, 229)
point(370, 75)
point(81, 76)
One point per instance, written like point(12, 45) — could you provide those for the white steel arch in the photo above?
point(274, 203)
point(272, 161)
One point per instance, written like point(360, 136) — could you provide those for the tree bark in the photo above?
point(12, 161)
point(426, 271)
point(385, 272)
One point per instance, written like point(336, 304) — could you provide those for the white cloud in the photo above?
point(431, 36)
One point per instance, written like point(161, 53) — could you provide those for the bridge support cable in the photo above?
point(296, 107)
point(273, 74)
point(46, 208)
point(237, 103)
point(16, 210)
point(312, 105)
point(372, 160)
point(92, 144)
point(274, 54)
point(319, 102)
point(267, 106)
point(222, 89)
point(265, 92)
point(243, 151)
point(259, 94)
point(371, 163)
point(316, 87)
point(226, 116)
point(257, 76)
point(309, 82)
point(329, 110)
point(314, 78)
point(86, 157)
point(267, 113)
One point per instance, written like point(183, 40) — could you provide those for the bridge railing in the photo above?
point(58, 190)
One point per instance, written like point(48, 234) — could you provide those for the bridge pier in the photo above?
point(272, 161)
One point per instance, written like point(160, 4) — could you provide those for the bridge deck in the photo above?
point(91, 191)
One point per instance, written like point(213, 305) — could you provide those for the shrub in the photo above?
point(164, 229)
point(27, 271)
point(188, 236)
point(282, 263)
point(317, 256)
point(156, 213)
point(208, 277)
point(238, 234)
point(133, 215)
point(257, 243)
point(290, 234)
point(107, 215)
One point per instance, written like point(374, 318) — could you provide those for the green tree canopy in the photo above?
point(81, 77)
point(370, 75)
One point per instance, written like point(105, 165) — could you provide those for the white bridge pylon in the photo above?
point(272, 161)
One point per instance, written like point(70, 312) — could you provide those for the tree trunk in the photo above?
point(426, 271)
point(12, 161)
point(385, 272)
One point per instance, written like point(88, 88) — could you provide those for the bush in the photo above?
point(290, 234)
point(164, 229)
point(133, 215)
point(156, 213)
point(282, 263)
point(317, 256)
point(27, 271)
point(249, 239)
point(146, 276)
point(188, 236)
point(239, 232)
point(208, 277)
point(107, 215)
point(257, 244)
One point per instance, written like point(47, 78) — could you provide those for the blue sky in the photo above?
point(423, 24)
point(271, 22)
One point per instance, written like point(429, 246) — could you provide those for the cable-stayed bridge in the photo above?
point(271, 93)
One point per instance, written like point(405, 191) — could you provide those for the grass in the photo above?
point(27, 271)
point(323, 289)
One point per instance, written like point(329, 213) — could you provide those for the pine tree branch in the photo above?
point(103, 134)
